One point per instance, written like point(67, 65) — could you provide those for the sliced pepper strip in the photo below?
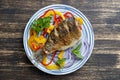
point(49, 30)
point(68, 14)
point(44, 32)
point(54, 13)
point(32, 33)
point(36, 46)
point(53, 67)
point(29, 42)
point(44, 59)
point(60, 55)
point(80, 27)
point(46, 64)
point(80, 20)
point(59, 19)
point(49, 13)
point(40, 39)
point(31, 38)
point(35, 42)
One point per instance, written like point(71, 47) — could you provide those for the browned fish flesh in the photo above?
point(64, 36)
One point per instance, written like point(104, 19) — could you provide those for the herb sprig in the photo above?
point(39, 24)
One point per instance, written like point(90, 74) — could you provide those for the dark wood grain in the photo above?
point(104, 63)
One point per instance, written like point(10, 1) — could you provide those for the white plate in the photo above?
point(87, 36)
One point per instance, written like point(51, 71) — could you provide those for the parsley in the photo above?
point(39, 24)
point(77, 52)
point(60, 62)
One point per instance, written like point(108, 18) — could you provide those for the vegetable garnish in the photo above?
point(40, 32)
point(60, 62)
point(36, 46)
point(35, 42)
point(77, 52)
point(59, 19)
point(49, 30)
point(49, 13)
point(41, 23)
point(80, 20)
point(46, 64)
point(80, 27)
point(60, 55)
point(54, 13)
point(52, 67)
point(68, 14)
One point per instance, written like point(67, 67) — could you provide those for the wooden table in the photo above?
point(104, 63)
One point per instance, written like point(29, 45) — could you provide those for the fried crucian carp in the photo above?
point(64, 36)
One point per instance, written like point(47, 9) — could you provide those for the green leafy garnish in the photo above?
point(60, 62)
point(77, 52)
point(39, 24)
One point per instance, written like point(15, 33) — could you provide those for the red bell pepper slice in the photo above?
point(80, 27)
point(46, 64)
point(68, 14)
point(36, 47)
point(47, 12)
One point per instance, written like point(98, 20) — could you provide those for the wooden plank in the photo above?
point(104, 63)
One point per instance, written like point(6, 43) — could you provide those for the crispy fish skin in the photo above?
point(65, 35)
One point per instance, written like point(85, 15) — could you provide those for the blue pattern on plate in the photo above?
point(87, 35)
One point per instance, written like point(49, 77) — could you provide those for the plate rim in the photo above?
point(26, 51)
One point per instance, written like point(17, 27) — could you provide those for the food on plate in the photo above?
point(55, 33)
point(63, 36)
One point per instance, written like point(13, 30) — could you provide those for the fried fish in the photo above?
point(64, 36)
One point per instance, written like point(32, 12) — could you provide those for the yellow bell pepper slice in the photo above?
point(45, 59)
point(30, 41)
point(49, 30)
point(32, 33)
point(31, 38)
point(57, 13)
point(40, 39)
point(80, 20)
point(60, 55)
point(52, 67)
point(35, 42)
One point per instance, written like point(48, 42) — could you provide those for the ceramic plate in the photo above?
point(87, 36)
